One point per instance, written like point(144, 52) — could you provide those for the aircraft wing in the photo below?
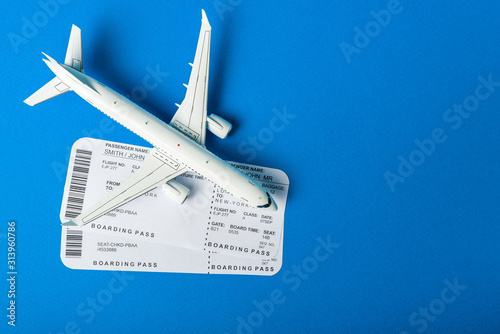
point(157, 169)
point(191, 117)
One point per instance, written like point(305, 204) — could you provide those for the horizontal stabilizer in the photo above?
point(53, 88)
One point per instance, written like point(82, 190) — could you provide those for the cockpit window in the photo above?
point(269, 202)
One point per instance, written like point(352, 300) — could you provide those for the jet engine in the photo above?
point(175, 191)
point(218, 126)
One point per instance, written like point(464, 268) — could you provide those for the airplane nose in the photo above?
point(273, 206)
point(270, 205)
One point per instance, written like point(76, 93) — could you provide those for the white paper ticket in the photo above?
point(211, 232)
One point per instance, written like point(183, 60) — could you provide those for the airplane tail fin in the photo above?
point(74, 59)
point(74, 56)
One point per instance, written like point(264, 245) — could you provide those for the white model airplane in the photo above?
point(178, 146)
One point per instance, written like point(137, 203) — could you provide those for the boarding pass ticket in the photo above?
point(211, 232)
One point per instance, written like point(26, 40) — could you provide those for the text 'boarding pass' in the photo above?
point(211, 232)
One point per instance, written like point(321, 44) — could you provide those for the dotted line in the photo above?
point(208, 228)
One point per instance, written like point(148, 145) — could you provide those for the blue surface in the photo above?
point(358, 110)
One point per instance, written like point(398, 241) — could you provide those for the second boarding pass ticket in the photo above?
point(210, 226)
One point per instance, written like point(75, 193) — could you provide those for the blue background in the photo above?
point(355, 116)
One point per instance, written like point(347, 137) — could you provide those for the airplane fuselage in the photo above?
point(175, 146)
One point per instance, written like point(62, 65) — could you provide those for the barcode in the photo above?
point(74, 243)
point(78, 183)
